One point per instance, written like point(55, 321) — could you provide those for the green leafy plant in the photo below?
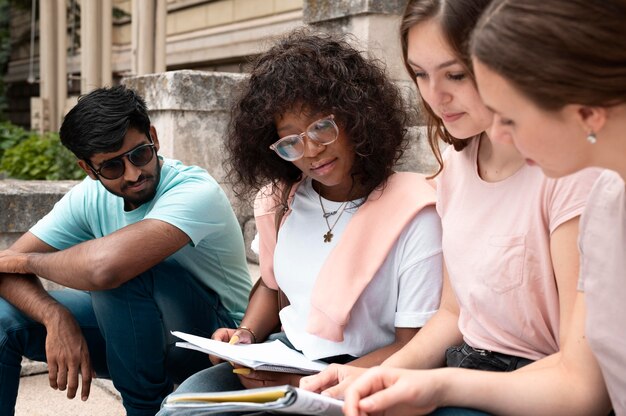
point(28, 155)
point(10, 135)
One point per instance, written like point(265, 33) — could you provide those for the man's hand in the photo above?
point(68, 355)
point(333, 381)
point(13, 262)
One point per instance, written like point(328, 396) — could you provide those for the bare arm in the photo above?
point(571, 385)
point(260, 319)
point(565, 261)
point(103, 263)
point(427, 348)
point(25, 292)
point(262, 313)
point(403, 336)
point(66, 350)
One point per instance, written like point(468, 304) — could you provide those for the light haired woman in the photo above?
point(509, 232)
point(554, 73)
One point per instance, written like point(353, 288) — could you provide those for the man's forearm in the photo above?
point(26, 293)
point(61, 267)
point(107, 262)
point(71, 268)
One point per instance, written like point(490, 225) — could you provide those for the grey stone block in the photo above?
point(187, 90)
point(418, 156)
point(315, 11)
point(249, 231)
point(23, 203)
point(8, 238)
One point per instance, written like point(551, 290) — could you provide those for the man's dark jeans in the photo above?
point(127, 330)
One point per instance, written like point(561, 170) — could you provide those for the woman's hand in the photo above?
point(252, 379)
point(232, 336)
point(392, 391)
point(333, 381)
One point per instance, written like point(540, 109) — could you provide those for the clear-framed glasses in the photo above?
point(323, 131)
point(114, 168)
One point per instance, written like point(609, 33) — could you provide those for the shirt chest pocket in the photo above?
point(504, 262)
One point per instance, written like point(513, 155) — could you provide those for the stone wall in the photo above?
point(23, 203)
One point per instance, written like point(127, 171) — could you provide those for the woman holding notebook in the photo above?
point(354, 247)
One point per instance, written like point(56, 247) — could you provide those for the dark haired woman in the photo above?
point(357, 251)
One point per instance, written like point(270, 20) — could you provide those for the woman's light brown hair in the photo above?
point(557, 52)
point(457, 19)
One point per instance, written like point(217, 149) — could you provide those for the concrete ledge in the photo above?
point(187, 90)
point(23, 203)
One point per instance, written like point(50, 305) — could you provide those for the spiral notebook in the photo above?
point(281, 399)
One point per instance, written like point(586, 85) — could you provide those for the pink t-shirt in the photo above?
point(496, 245)
point(603, 279)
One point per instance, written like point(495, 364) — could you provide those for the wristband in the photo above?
point(245, 328)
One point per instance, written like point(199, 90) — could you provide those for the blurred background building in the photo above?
point(60, 49)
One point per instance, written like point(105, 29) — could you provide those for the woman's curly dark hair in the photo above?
point(324, 74)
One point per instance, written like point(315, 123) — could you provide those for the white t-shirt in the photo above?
point(404, 293)
point(603, 279)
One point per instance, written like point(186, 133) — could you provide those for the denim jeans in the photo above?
point(465, 356)
point(457, 411)
point(127, 330)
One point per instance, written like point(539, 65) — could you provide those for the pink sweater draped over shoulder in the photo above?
point(362, 249)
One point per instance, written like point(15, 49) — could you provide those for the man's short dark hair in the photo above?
point(100, 120)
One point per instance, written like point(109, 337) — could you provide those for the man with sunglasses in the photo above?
point(146, 244)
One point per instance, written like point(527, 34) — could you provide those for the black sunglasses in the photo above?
point(114, 168)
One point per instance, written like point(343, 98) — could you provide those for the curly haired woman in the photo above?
point(358, 247)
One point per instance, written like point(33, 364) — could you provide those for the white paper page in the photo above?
point(273, 353)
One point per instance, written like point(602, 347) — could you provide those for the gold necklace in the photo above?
point(328, 236)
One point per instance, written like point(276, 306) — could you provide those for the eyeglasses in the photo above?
point(114, 168)
point(323, 131)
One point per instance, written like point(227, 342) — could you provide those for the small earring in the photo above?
point(591, 138)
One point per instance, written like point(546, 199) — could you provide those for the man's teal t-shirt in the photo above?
point(188, 198)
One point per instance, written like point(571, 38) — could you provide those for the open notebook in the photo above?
point(268, 356)
point(281, 399)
